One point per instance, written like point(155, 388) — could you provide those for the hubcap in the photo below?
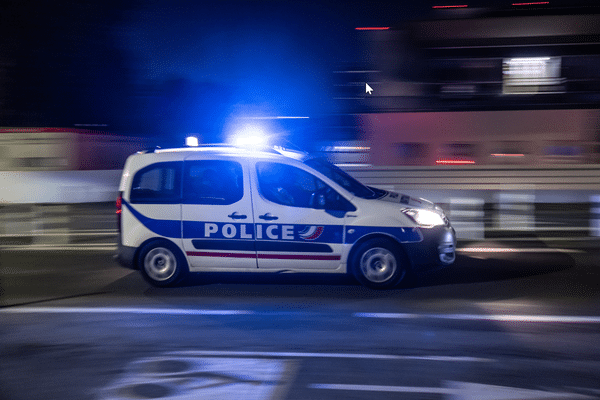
point(378, 264)
point(160, 264)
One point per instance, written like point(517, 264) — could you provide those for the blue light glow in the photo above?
point(191, 141)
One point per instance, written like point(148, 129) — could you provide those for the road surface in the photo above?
point(510, 320)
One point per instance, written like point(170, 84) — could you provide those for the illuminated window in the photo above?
point(530, 75)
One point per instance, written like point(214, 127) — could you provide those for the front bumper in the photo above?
point(436, 250)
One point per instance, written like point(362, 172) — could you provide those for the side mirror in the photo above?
point(320, 201)
point(330, 200)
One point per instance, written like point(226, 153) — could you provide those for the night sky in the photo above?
point(150, 67)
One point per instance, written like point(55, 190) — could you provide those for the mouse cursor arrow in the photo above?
point(368, 89)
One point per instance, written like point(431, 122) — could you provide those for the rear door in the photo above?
point(217, 219)
point(299, 219)
point(152, 208)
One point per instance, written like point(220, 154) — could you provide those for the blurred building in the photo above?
point(517, 85)
point(35, 149)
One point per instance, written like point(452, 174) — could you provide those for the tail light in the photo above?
point(119, 206)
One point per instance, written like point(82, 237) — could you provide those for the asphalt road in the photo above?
point(522, 322)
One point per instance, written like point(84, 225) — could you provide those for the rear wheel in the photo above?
point(379, 264)
point(161, 263)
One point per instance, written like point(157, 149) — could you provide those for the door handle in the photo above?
point(268, 217)
point(235, 215)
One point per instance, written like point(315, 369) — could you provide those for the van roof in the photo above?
point(231, 149)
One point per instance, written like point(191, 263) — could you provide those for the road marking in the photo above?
point(183, 378)
point(583, 319)
point(460, 391)
point(119, 310)
point(216, 353)
point(378, 388)
point(492, 317)
point(515, 250)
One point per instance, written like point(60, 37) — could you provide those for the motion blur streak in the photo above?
point(535, 3)
point(373, 28)
point(511, 250)
point(174, 311)
point(379, 388)
point(456, 6)
point(328, 355)
point(455, 162)
point(576, 319)
point(119, 310)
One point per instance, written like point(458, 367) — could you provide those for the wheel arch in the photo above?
point(379, 235)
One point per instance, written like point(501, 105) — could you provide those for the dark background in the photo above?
point(147, 67)
point(161, 67)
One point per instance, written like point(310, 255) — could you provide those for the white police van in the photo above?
point(225, 208)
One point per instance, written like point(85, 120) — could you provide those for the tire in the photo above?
point(162, 263)
point(379, 264)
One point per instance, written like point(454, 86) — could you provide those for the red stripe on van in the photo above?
point(231, 255)
point(264, 256)
point(296, 257)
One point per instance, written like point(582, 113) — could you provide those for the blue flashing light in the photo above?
point(191, 141)
point(250, 135)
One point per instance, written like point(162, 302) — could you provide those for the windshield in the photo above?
point(342, 178)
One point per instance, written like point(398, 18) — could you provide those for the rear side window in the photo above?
point(218, 182)
point(157, 183)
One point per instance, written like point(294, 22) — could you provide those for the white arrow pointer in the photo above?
point(368, 89)
point(462, 391)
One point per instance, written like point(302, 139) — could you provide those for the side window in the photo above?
point(157, 183)
point(291, 186)
point(218, 182)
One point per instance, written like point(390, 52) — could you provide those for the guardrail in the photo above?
point(73, 224)
point(494, 201)
point(58, 224)
point(584, 177)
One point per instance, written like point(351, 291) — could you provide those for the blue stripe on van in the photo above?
point(163, 227)
point(330, 233)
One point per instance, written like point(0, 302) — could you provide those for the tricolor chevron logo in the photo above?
point(311, 232)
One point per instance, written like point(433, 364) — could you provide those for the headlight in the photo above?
point(425, 218)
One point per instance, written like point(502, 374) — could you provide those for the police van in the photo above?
point(224, 208)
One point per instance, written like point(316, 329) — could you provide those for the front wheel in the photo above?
point(379, 264)
point(161, 263)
